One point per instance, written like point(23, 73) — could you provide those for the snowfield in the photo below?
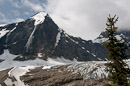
point(89, 70)
point(20, 68)
point(9, 62)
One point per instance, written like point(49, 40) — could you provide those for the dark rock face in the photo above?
point(43, 39)
point(48, 40)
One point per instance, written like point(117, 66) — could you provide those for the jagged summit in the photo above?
point(39, 17)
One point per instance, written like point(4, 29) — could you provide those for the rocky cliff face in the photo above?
point(40, 37)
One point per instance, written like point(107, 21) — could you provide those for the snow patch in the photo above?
point(9, 73)
point(66, 41)
point(9, 62)
point(66, 35)
point(73, 40)
point(87, 51)
point(8, 82)
point(93, 54)
point(3, 32)
point(99, 59)
point(58, 37)
point(119, 37)
point(2, 25)
point(39, 18)
point(83, 48)
point(16, 73)
point(30, 38)
point(39, 54)
point(7, 56)
point(13, 29)
point(102, 40)
point(14, 42)
point(46, 67)
point(106, 59)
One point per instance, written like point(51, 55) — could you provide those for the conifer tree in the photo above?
point(117, 49)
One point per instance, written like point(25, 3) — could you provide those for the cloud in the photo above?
point(87, 18)
point(1, 1)
point(2, 15)
point(2, 18)
point(16, 4)
point(6, 20)
point(17, 10)
point(26, 13)
point(16, 20)
point(35, 7)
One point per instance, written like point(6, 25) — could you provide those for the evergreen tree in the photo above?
point(117, 49)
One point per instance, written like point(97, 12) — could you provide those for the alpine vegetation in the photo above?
point(117, 53)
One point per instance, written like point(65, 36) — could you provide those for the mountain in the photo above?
point(39, 36)
point(36, 52)
point(124, 33)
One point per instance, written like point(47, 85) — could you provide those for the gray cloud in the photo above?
point(2, 15)
point(17, 20)
point(11, 10)
point(35, 7)
point(1, 1)
point(87, 18)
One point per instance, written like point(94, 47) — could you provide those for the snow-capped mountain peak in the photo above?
point(40, 36)
point(39, 18)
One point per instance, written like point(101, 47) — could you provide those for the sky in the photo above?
point(80, 18)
